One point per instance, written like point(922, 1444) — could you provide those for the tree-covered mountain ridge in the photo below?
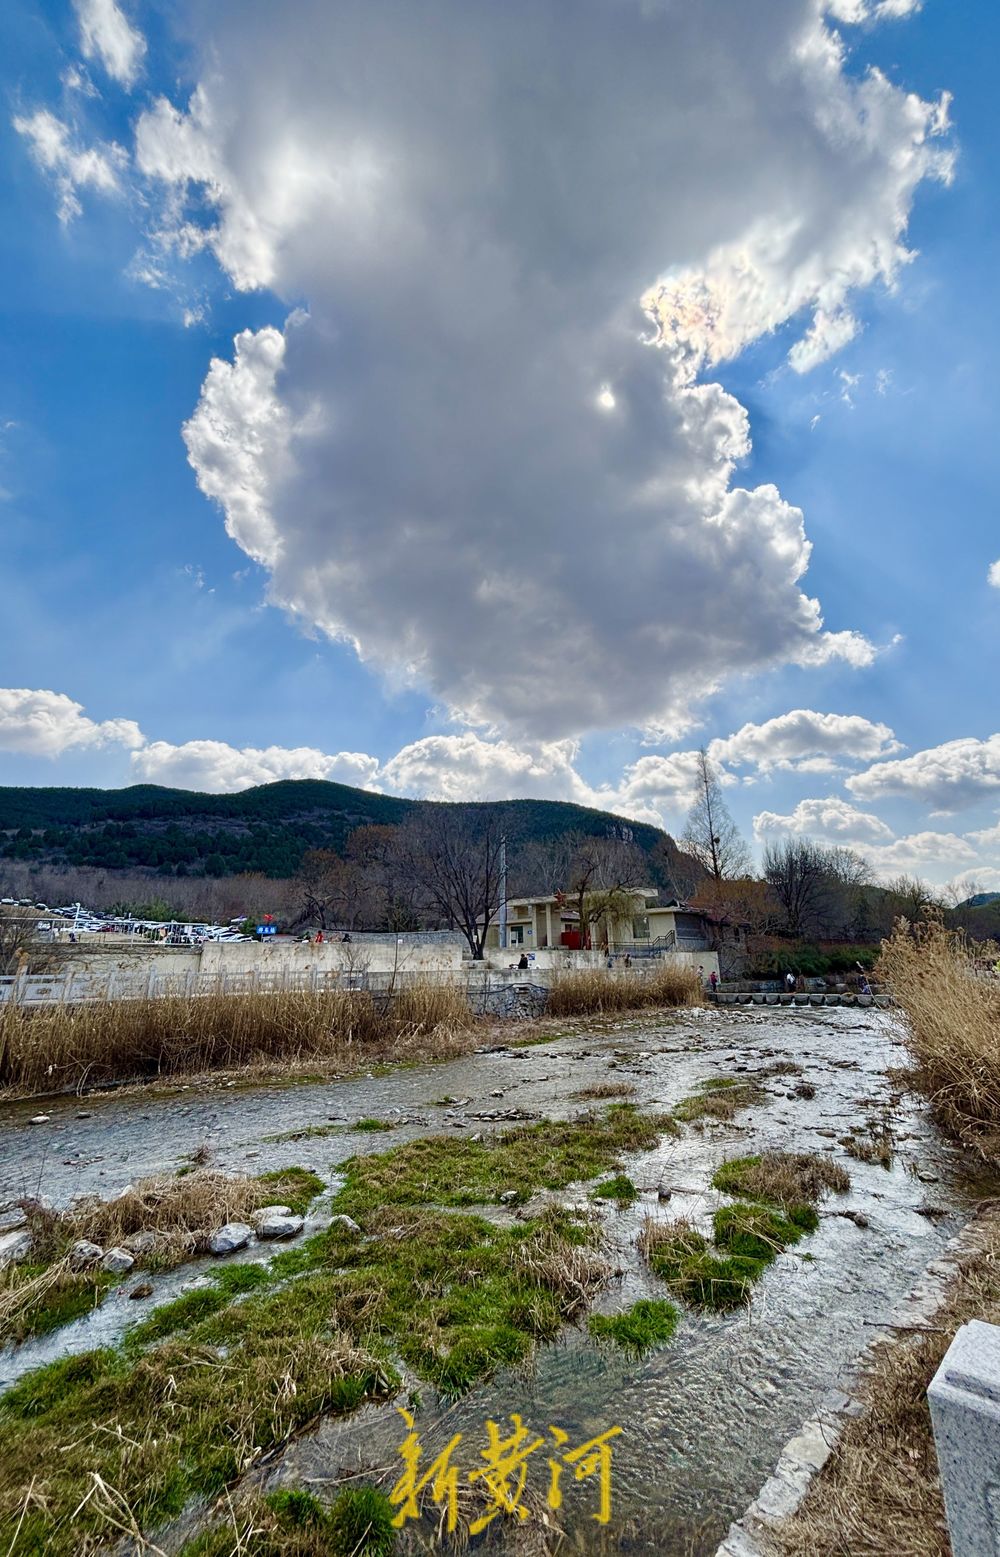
point(265, 829)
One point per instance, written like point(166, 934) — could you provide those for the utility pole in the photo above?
point(503, 894)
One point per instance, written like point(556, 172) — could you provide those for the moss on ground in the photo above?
point(645, 1325)
point(295, 1524)
point(439, 1170)
point(372, 1126)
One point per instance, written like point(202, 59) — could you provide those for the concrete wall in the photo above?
point(549, 961)
point(436, 951)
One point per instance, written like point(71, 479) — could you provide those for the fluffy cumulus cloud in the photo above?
point(106, 34)
point(71, 165)
point(993, 576)
point(219, 768)
point(829, 820)
point(46, 724)
point(805, 741)
point(920, 852)
point(489, 457)
point(945, 778)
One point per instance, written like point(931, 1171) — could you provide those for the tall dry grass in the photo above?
point(952, 1004)
point(55, 1047)
point(599, 992)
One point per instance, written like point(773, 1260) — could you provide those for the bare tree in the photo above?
point(451, 855)
point(601, 871)
point(710, 833)
point(819, 889)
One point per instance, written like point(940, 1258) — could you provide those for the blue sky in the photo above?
point(444, 576)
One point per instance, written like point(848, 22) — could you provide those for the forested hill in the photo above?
point(177, 832)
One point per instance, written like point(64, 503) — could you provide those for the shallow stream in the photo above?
point(704, 1419)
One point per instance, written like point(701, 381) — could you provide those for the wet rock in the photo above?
point(927, 1178)
point(497, 1093)
point(347, 1224)
point(14, 1218)
point(932, 1213)
point(39, 1119)
point(266, 1211)
point(664, 1194)
point(84, 1113)
point(15, 1246)
point(831, 1135)
point(143, 1290)
point(857, 1217)
point(118, 1261)
point(508, 1197)
point(805, 1089)
point(280, 1226)
point(84, 1254)
point(233, 1236)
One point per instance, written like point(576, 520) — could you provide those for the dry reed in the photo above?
point(56, 1047)
point(182, 1212)
point(599, 992)
point(951, 998)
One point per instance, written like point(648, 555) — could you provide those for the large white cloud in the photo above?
point(830, 820)
point(946, 778)
point(804, 739)
point(470, 460)
point(46, 724)
point(219, 768)
point(107, 34)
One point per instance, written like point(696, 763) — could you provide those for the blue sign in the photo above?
point(267, 929)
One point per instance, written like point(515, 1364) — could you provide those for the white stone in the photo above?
point(14, 1246)
point(964, 1397)
point(235, 1235)
point(84, 1253)
point(264, 1212)
point(118, 1261)
point(279, 1226)
point(39, 1119)
point(346, 1224)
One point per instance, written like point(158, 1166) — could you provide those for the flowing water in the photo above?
point(704, 1419)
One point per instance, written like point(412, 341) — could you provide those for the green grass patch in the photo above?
point(721, 1097)
point(294, 1187)
point(181, 1420)
point(33, 1306)
point(439, 1170)
point(373, 1125)
point(782, 1178)
point(307, 1133)
point(455, 1296)
point(760, 1232)
point(645, 1325)
point(619, 1188)
point(293, 1523)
